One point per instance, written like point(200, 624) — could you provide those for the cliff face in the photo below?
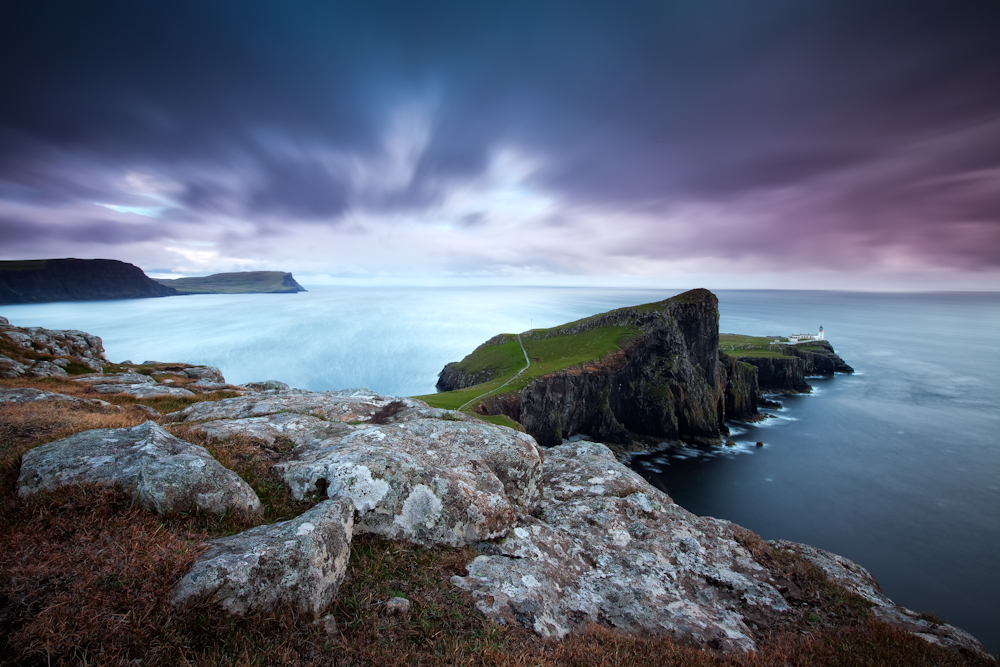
point(741, 388)
point(788, 373)
point(40, 281)
point(667, 382)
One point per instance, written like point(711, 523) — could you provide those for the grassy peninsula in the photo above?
point(241, 282)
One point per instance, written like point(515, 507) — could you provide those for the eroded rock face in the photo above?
point(269, 429)
point(165, 473)
point(300, 563)
point(429, 481)
point(607, 547)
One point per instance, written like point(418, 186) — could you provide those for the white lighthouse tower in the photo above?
point(821, 335)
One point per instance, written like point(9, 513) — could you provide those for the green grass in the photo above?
point(547, 355)
point(502, 420)
point(747, 346)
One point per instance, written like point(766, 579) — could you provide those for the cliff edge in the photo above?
point(45, 280)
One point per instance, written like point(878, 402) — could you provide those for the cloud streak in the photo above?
point(457, 140)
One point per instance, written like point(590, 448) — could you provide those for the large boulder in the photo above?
point(164, 473)
point(269, 430)
point(129, 378)
point(429, 481)
point(144, 390)
point(33, 342)
point(300, 563)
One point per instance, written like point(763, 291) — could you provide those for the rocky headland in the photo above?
point(44, 280)
point(664, 377)
point(279, 508)
point(240, 282)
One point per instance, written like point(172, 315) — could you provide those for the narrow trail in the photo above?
point(527, 363)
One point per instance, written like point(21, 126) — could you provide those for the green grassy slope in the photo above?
point(243, 282)
point(547, 355)
point(748, 346)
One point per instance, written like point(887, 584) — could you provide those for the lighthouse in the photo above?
point(821, 335)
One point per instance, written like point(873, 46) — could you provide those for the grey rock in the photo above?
point(4, 320)
point(77, 345)
point(61, 362)
point(294, 427)
point(46, 369)
point(9, 368)
point(851, 576)
point(147, 390)
point(349, 405)
point(397, 606)
point(207, 385)
point(165, 473)
point(114, 378)
point(429, 481)
point(27, 395)
point(207, 373)
point(604, 552)
point(300, 563)
point(266, 385)
point(327, 625)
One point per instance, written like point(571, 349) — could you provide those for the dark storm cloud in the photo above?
point(814, 120)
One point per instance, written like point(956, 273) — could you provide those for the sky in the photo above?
point(768, 144)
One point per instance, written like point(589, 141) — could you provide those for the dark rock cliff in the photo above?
point(668, 382)
point(741, 388)
point(788, 373)
point(40, 281)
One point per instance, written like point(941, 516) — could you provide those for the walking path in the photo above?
point(527, 363)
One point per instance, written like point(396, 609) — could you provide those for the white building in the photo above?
point(802, 338)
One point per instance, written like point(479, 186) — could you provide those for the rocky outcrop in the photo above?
point(39, 281)
point(38, 352)
point(164, 473)
point(428, 481)
point(413, 472)
point(606, 547)
point(29, 395)
point(298, 563)
point(667, 382)
point(266, 385)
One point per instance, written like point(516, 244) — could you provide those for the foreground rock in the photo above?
point(606, 547)
point(429, 481)
point(164, 473)
point(413, 472)
point(300, 563)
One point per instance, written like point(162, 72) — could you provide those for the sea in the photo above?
point(896, 467)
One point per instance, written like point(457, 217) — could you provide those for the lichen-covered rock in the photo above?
point(11, 368)
point(144, 390)
point(607, 547)
point(300, 563)
point(856, 579)
point(429, 481)
point(165, 473)
point(348, 405)
point(269, 429)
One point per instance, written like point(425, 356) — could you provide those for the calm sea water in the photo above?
point(896, 467)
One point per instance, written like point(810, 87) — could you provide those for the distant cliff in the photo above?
point(44, 280)
point(241, 282)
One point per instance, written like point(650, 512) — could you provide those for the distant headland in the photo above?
point(47, 280)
